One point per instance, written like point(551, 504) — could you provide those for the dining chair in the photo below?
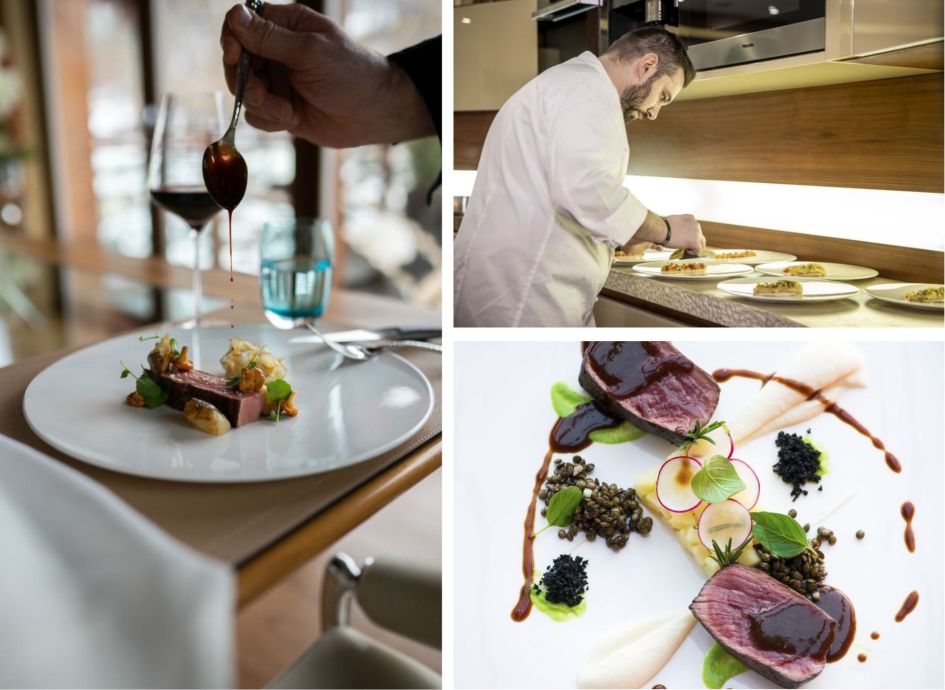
point(400, 596)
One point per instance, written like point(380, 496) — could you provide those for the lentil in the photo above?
point(803, 573)
point(798, 462)
point(606, 510)
point(860, 534)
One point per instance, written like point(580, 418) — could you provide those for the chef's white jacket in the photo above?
point(549, 206)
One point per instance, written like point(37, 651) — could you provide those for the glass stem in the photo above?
point(198, 288)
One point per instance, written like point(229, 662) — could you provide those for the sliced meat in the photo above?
point(764, 624)
point(651, 384)
point(180, 386)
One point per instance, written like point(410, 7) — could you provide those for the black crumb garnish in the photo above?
point(565, 581)
point(798, 463)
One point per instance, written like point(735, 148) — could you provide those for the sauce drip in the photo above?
point(722, 375)
point(790, 628)
point(907, 510)
point(874, 635)
point(861, 658)
point(662, 687)
point(225, 175)
point(229, 214)
point(573, 433)
point(908, 606)
point(627, 367)
point(524, 605)
point(835, 604)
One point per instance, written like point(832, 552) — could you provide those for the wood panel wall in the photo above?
point(884, 134)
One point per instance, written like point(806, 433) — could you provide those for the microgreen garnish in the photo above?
point(233, 382)
point(727, 557)
point(152, 393)
point(717, 481)
point(278, 392)
point(780, 534)
point(144, 339)
point(700, 433)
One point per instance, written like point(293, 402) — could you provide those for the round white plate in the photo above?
point(815, 290)
point(655, 575)
point(761, 256)
point(648, 255)
point(713, 270)
point(347, 412)
point(896, 294)
point(834, 271)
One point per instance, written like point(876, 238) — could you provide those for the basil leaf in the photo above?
point(125, 373)
point(617, 434)
point(278, 390)
point(565, 399)
point(561, 506)
point(151, 392)
point(779, 533)
point(717, 481)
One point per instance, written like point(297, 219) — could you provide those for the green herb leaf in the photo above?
point(144, 339)
point(727, 557)
point(565, 399)
point(617, 434)
point(561, 506)
point(233, 382)
point(175, 351)
point(278, 390)
point(719, 667)
point(717, 481)
point(252, 362)
point(701, 433)
point(125, 373)
point(150, 391)
point(779, 533)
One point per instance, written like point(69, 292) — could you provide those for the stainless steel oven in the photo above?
point(721, 33)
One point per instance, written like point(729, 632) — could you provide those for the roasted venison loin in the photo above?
point(651, 384)
point(766, 625)
point(180, 386)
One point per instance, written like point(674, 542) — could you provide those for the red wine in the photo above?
point(193, 204)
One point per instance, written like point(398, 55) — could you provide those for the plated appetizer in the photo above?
point(722, 255)
point(779, 287)
point(809, 270)
point(253, 387)
point(927, 295)
point(689, 268)
point(766, 603)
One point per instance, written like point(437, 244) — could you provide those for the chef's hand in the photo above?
point(311, 79)
point(686, 233)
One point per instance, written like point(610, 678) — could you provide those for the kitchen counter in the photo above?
point(700, 303)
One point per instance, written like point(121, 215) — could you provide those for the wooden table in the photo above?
point(264, 530)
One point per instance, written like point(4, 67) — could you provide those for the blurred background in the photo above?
point(80, 81)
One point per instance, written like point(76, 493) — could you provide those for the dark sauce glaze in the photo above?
point(908, 606)
point(722, 375)
point(791, 628)
point(627, 367)
point(573, 433)
point(907, 510)
point(836, 605)
point(524, 605)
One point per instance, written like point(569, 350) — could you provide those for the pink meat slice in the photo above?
point(180, 386)
point(729, 606)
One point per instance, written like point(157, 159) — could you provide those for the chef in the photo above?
point(549, 206)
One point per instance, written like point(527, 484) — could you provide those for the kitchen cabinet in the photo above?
point(495, 52)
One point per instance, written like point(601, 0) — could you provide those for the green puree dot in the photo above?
point(720, 666)
point(824, 455)
point(558, 612)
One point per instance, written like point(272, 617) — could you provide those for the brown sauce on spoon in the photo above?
point(907, 510)
point(908, 606)
point(225, 174)
point(722, 375)
point(836, 605)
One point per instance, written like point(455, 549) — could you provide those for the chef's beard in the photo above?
point(632, 97)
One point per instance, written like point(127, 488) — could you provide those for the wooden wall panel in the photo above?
point(884, 134)
point(892, 261)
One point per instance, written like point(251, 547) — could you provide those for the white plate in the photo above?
point(648, 255)
point(761, 256)
point(815, 290)
point(713, 270)
point(499, 443)
point(896, 293)
point(347, 413)
point(834, 271)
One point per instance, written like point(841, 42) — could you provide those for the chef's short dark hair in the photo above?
point(657, 40)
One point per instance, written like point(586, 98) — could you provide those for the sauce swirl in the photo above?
point(907, 510)
point(524, 605)
point(908, 606)
point(722, 375)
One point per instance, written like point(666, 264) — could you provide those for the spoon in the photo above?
point(224, 170)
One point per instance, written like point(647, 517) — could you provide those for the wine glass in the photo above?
point(186, 124)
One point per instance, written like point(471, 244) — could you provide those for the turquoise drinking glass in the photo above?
point(297, 259)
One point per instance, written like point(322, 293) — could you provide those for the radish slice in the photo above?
point(731, 442)
point(749, 496)
point(720, 522)
point(674, 484)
